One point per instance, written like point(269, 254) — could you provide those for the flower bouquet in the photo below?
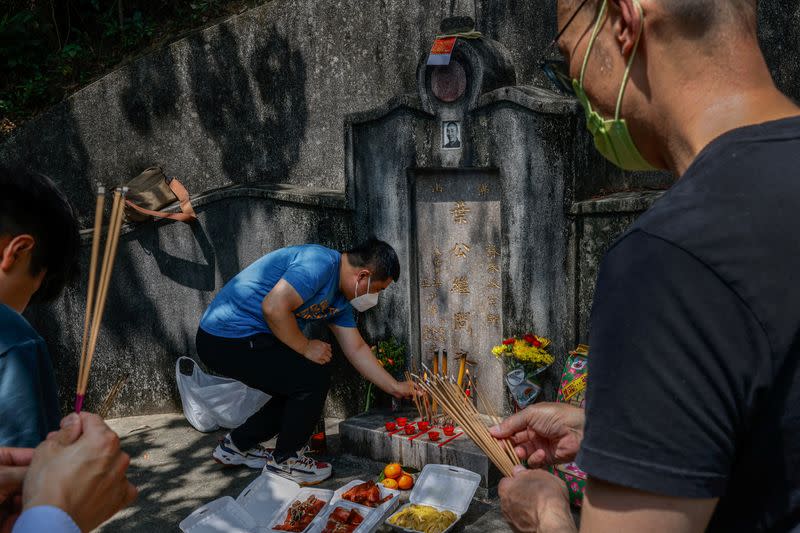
point(391, 355)
point(525, 358)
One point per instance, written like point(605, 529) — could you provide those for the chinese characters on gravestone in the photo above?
point(459, 251)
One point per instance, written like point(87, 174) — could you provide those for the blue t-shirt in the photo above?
point(312, 270)
point(28, 395)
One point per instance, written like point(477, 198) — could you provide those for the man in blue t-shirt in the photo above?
point(253, 332)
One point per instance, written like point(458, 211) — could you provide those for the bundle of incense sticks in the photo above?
point(98, 288)
point(461, 409)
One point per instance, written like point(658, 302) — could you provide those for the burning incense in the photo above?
point(435, 373)
point(444, 363)
point(462, 367)
point(109, 255)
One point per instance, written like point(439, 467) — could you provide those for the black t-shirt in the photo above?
point(694, 389)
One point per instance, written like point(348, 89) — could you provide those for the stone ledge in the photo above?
point(621, 202)
point(313, 197)
point(365, 436)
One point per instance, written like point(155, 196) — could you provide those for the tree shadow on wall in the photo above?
point(151, 92)
point(257, 129)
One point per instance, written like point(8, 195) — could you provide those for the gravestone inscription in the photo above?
point(459, 259)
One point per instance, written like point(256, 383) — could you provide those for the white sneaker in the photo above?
point(300, 468)
point(227, 453)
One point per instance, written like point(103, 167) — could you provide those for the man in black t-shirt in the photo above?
point(693, 408)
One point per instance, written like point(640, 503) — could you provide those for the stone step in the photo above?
point(366, 436)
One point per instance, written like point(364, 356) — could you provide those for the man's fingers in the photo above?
point(16, 456)
point(537, 458)
point(11, 478)
point(510, 426)
point(70, 430)
point(131, 494)
point(91, 422)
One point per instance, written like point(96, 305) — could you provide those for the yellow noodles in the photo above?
point(423, 518)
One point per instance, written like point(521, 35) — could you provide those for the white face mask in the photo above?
point(365, 301)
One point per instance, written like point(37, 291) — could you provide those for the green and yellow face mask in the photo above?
point(611, 137)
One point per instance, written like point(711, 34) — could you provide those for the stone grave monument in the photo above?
point(470, 180)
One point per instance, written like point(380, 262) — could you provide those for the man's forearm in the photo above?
point(557, 520)
point(364, 361)
point(284, 326)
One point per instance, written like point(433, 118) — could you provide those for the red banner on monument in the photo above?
point(441, 50)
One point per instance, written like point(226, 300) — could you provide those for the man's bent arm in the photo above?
point(361, 357)
point(610, 507)
point(278, 308)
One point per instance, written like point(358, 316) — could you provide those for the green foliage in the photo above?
point(50, 49)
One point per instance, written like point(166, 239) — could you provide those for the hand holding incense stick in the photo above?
point(95, 314)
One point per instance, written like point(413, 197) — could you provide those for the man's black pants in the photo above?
point(298, 388)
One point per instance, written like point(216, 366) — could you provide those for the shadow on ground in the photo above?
point(172, 467)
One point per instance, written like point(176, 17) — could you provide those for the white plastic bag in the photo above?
point(211, 402)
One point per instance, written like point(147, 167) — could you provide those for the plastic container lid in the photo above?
point(446, 487)
point(223, 514)
point(267, 494)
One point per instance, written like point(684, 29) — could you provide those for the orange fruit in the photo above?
point(405, 482)
point(390, 483)
point(393, 471)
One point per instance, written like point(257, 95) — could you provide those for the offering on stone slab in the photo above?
point(423, 518)
point(343, 520)
point(367, 494)
point(300, 514)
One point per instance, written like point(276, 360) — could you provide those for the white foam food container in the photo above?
point(384, 508)
point(372, 518)
point(445, 488)
point(221, 515)
point(279, 517)
point(262, 504)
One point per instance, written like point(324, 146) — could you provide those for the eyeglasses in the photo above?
point(557, 70)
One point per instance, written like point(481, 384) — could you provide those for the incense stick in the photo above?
point(96, 236)
point(109, 255)
point(112, 395)
point(449, 394)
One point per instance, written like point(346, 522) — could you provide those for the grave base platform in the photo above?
point(366, 436)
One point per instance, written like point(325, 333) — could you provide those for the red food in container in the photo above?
point(391, 426)
point(433, 435)
point(449, 430)
point(410, 429)
point(401, 422)
point(424, 426)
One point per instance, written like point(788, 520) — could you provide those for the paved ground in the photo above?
point(172, 466)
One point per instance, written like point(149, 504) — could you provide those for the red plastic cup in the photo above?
point(424, 426)
point(410, 429)
point(391, 426)
point(433, 435)
point(449, 430)
point(401, 422)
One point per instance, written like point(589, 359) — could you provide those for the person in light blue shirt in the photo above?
point(253, 332)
